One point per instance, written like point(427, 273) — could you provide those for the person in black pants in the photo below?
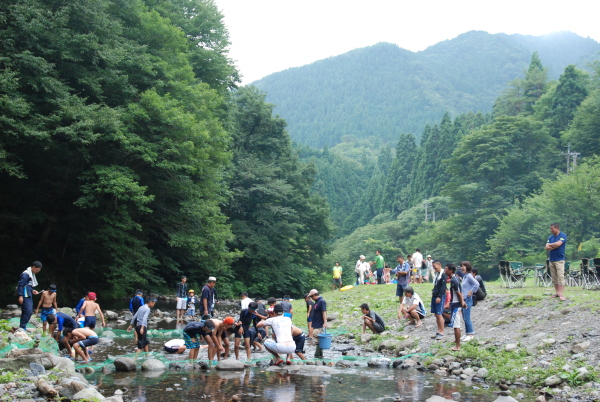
point(438, 298)
point(27, 282)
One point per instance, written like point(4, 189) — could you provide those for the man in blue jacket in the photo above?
point(27, 282)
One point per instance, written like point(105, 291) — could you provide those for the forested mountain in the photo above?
point(383, 91)
point(493, 183)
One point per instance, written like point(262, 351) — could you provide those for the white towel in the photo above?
point(32, 276)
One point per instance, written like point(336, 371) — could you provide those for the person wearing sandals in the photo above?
point(457, 304)
point(438, 298)
point(556, 245)
point(470, 286)
point(371, 320)
point(282, 327)
point(412, 308)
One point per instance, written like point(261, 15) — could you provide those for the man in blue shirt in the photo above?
point(556, 245)
point(402, 272)
point(319, 319)
point(27, 282)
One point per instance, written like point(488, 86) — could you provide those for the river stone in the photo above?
point(580, 347)
point(433, 367)
point(510, 347)
point(436, 398)
point(582, 374)
point(230, 365)
point(389, 344)
point(379, 362)
point(454, 366)
point(153, 365)
point(114, 398)
point(505, 398)
point(441, 372)
point(89, 394)
point(37, 369)
point(469, 371)
point(482, 372)
point(12, 307)
point(539, 335)
point(332, 316)
point(24, 362)
point(549, 341)
point(366, 338)
point(111, 315)
point(64, 364)
point(553, 381)
point(125, 364)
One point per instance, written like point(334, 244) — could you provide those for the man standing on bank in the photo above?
point(182, 296)
point(556, 244)
point(25, 291)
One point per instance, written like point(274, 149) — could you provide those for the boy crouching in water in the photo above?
point(82, 338)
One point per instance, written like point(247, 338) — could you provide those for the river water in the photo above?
point(359, 383)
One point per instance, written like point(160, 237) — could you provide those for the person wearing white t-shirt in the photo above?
point(282, 327)
point(245, 300)
point(359, 270)
point(418, 265)
point(412, 307)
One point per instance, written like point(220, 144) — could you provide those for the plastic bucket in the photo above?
point(324, 340)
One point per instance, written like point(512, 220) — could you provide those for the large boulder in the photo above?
point(89, 394)
point(332, 316)
point(553, 381)
point(111, 315)
point(125, 364)
point(24, 361)
point(154, 365)
point(230, 365)
point(70, 388)
point(379, 362)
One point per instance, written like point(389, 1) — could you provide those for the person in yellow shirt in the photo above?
point(337, 276)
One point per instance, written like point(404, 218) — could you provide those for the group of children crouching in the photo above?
point(65, 328)
point(252, 326)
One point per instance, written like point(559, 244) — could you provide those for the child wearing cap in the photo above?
point(48, 304)
point(191, 303)
point(140, 321)
point(193, 332)
point(89, 309)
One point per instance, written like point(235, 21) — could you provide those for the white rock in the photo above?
point(89, 394)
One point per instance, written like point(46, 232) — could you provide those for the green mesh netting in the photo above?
point(151, 333)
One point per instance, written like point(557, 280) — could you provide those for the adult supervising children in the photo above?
point(282, 327)
point(412, 307)
point(207, 297)
point(402, 276)
point(556, 245)
point(182, 295)
point(319, 319)
point(438, 298)
point(48, 305)
point(27, 282)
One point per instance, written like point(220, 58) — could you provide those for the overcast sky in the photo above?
point(271, 35)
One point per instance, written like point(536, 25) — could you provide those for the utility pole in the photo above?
point(426, 202)
point(570, 155)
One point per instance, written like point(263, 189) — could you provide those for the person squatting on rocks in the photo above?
point(82, 339)
point(63, 321)
point(284, 343)
point(140, 322)
point(25, 291)
point(371, 320)
point(412, 308)
point(48, 304)
point(181, 295)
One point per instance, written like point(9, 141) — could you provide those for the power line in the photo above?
point(569, 154)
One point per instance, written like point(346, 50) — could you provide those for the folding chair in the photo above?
point(517, 274)
point(567, 273)
point(595, 274)
point(502, 267)
point(541, 275)
point(587, 274)
point(574, 276)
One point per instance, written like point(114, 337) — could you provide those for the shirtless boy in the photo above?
point(222, 332)
point(83, 338)
point(299, 339)
point(48, 304)
point(88, 310)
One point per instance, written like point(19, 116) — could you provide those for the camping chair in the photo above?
point(574, 277)
point(567, 273)
point(516, 274)
point(595, 274)
point(588, 275)
point(541, 275)
point(502, 267)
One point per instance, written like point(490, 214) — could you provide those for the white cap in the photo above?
point(362, 257)
point(428, 255)
point(312, 292)
point(212, 279)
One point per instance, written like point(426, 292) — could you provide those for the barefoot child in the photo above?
point(83, 338)
point(412, 307)
point(299, 339)
point(194, 332)
point(88, 310)
point(48, 304)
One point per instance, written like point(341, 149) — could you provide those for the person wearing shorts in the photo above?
point(182, 295)
point(140, 321)
point(282, 327)
point(193, 332)
point(371, 320)
point(402, 272)
point(412, 308)
point(83, 338)
point(457, 303)
point(63, 320)
point(337, 276)
point(556, 245)
point(175, 346)
point(299, 339)
point(438, 298)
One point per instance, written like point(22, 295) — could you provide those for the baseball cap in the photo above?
point(212, 279)
point(138, 292)
point(313, 292)
point(362, 257)
point(228, 320)
point(428, 255)
point(92, 296)
point(191, 291)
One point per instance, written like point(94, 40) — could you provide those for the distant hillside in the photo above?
point(382, 91)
